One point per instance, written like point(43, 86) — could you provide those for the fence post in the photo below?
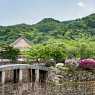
point(3, 77)
point(20, 75)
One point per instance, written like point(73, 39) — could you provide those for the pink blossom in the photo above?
point(87, 63)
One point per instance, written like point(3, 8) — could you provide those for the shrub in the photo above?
point(87, 63)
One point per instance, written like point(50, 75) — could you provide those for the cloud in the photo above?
point(86, 5)
point(81, 4)
point(91, 9)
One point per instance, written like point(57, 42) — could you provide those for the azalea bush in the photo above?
point(87, 63)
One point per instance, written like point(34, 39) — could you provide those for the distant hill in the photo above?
point(50, 28)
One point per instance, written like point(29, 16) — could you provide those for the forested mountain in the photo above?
point(49, 28)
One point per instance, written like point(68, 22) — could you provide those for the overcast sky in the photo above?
point(31, 11)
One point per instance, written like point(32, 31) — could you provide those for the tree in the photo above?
point(8, 52)
point(55, 51)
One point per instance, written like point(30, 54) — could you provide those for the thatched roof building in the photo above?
point(21, 43)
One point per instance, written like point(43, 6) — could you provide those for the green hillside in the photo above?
point(48, 28)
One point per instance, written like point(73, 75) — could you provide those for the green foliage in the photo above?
point(8, 52)
point(48, 51)
point(50, 28)
point(54, 39)
point(59, 50)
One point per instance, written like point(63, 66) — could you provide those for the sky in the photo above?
point(32, 11)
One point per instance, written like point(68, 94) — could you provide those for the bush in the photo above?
point(87, 63)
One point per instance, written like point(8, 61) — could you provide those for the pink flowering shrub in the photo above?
point(87, 63)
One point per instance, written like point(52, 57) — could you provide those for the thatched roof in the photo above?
point(21, 43)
